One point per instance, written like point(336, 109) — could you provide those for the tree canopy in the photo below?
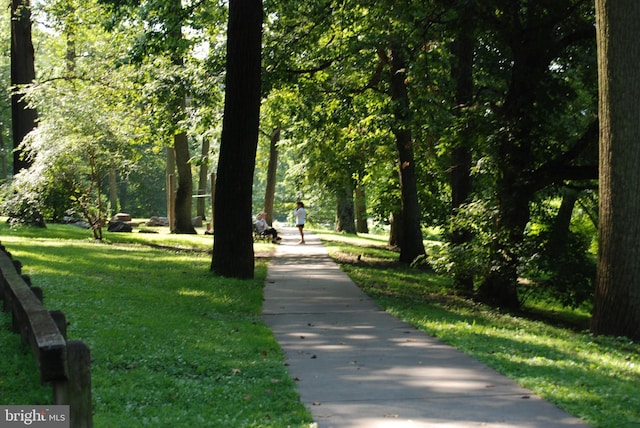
point(476, 118)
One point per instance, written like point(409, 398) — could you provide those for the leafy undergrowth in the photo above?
point(593, 378)
point(171, 344)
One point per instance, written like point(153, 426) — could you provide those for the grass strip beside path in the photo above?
point(594, 378)
point(172, 345)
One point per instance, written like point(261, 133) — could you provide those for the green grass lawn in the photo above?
point(594, 378)
point(172, 345)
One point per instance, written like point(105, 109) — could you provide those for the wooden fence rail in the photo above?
point(66, 365)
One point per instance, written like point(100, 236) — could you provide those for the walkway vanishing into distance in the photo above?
point(357, 366)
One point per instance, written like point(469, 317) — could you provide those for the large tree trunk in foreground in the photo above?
point(617, 300)
point(233, 238)
point(22, 72)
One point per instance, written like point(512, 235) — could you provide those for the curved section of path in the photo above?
point(357, 366)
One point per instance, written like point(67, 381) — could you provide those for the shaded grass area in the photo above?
point(544, 348)
point(171, 344)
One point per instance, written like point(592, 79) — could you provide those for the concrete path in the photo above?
point(357, 366)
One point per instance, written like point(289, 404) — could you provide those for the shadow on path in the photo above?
point(357, 366)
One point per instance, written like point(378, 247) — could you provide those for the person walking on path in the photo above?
point(301, 215)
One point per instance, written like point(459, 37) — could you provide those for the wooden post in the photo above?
point(79, 384)
point(61, 321)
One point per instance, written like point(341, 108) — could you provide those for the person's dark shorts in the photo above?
point(299, 225)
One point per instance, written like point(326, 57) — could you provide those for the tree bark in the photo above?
point(272, 174)
point(22, 72)
point(617, 298)
point(345, 219)
point(184, 190)
point(460, 175)
point(562, 222)
point(170, 174)
point(532, 44)
point(395, 229)
point(361, 210)
point(499, 286)
point(412, 244)
point(233, 238)
point(183, 221)
point(202, 179)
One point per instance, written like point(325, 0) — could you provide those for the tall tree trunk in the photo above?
point(395, 229)
point(460, 175)
point(233, 238)
point(361, 210)
point(562, 222)
point(531, 44)
point(499, 286)
point(70, 34)
point(202, 179)
point(412, 244)
point(184, 191)
point(617, 299)
point(170, 175)
point(272, 174)
point(345, 219)
point(22, 72)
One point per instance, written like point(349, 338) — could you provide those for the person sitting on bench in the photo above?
point(263, 228)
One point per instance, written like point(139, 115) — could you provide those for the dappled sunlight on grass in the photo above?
point(192, 293)
point(164, 332)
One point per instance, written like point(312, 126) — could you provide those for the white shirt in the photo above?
point(261, 225)
point(300, 214)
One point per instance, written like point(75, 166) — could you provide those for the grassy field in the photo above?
point(594, 378)
point(172, 345)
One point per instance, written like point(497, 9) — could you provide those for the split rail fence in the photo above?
point(66, 365)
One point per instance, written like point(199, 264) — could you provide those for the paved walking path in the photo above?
point(357, 366)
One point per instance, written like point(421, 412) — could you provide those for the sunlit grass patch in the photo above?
point(171, 343)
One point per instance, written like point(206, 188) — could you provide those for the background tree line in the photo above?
point(479, 118)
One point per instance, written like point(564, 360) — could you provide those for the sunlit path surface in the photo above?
point(357, 366)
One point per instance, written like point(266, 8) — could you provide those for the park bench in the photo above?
point(257, 236)
point(66, 365)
